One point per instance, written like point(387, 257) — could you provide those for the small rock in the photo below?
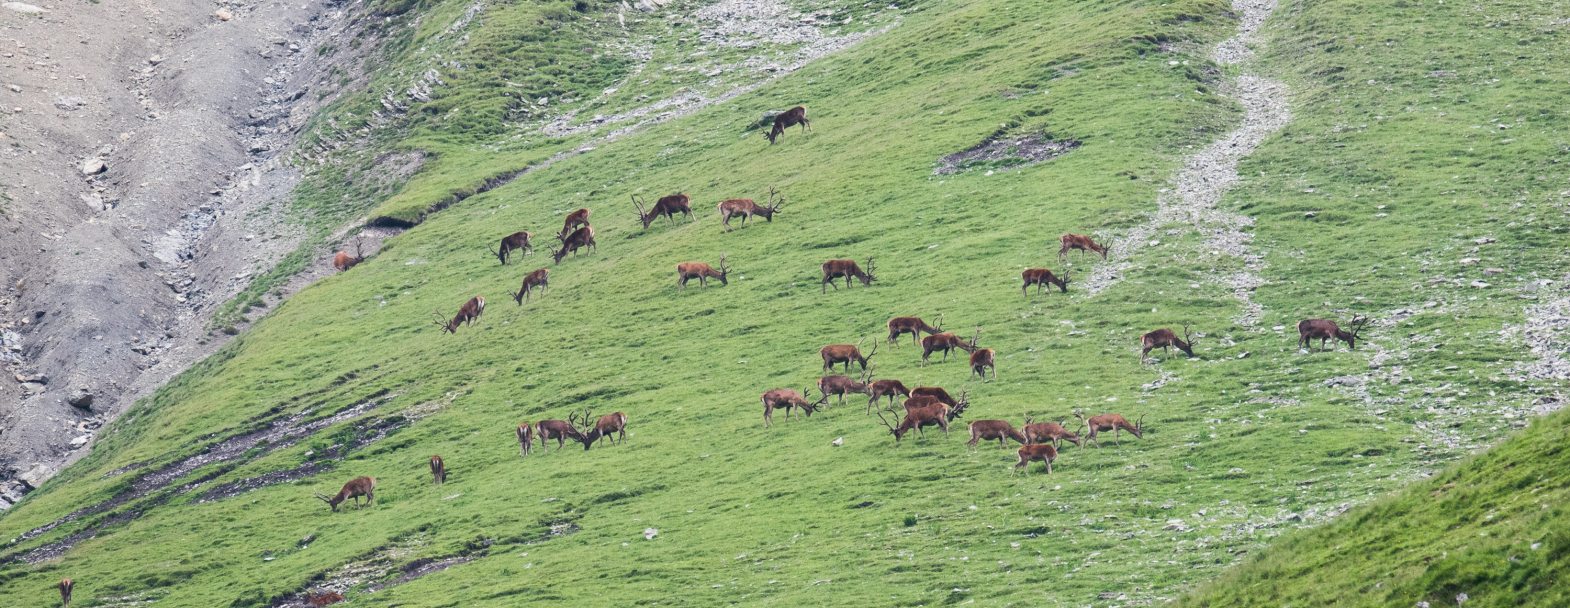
point(650, 533)
point(1483, 240)
point(32, 388)
point(82, 399)
point(69, 104)
point(1310, 214)
point(1492, 271)
point(1469, 261)
point(155, 59)
point(1243, 355)
point(223, 14)
point(1479, 284)
point(14, 88)
point(1176, 525)
point(24, 8)
point(94, 166)
point(36, 476)
point(80, 441)
point(838, 441)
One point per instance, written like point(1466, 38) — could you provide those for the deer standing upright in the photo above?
point(1036, 432)
point(989, 430)
point(887, 387)
point(846, 353)
point(574, 220)
point(784, 398)
point(1041, 277)
point(1325, 330)
point(66, 587)
point(667, 206)
point(701, 271)
point(982, 359)
point(525, 438)
point(842, 385)
point(746, 208)
point(834, 269)
point(1029, 453)
point(438, 470)
point(945, 342)
point(1162, 338)
point(560, 430)
point(1111, 422)
point(899, 326)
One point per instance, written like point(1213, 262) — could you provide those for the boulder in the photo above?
point(81, 399)
point(24, 8)
point(94, 166)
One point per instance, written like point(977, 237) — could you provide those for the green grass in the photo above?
point(1240, 448)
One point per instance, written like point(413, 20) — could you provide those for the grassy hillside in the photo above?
point(1246, 441)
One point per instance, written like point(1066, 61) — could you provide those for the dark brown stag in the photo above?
point(989, 430)
point(1325, 330)
point(1038, 432)
point(667, 206)
point(785, 398)
point(746, 208)
point(1082, 243)
point(701, 271)
point(945, 342)
point(612, 426)
point(580, 238)
point(357, 487)
point(899, 326)
point(468, 313)
point(574, 220)
point(525, 438)
point(539, 279)
point(842, 385)
point(789, 118)
point(834, 269)
point(982, 359)
point(1033, 452)
point(1162, 338)
point(560, 430)
point(66, 587)
point(890, 388)
point(846, 353)
point(918, 417)
point(1111, 422)
point(1041, 277)
point(513, 242)
point(343, 261)
point(937, 392)
point(438, 470)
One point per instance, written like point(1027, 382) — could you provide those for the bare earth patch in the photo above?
point(1003, 154)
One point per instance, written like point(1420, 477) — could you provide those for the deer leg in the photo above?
point(1049, 466)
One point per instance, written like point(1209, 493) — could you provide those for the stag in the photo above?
point(1000, 430)
point(918, 418)
point(614, 423)
point(746, 208)
point(846, 353)
point(982, 359)
point(667, 206)
point(789, 118)
point(66, 586)
point(1041, 277)
point(937, 392)
point(539, 279)
point(343, 261)
point(560, 430)
point(945, 342)
point(1111, 422)
point(357, 487)
point(438, 470)
point(1162, 338)
point(1082, 243)
point(574, 220)
point(841, 385)
point(525, 438)
point(885, 388)
point(1037, 432)
point(517, 240)
point(899, 326)
point(580, 238)
point(784, 398)
point(834, 269)
point(1324, 330)
point(468, 313)
point(701, 271)
point(1036, 451)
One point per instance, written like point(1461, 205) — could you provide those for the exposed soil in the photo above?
point(1005, 154)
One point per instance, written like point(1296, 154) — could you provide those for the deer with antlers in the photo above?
point(560, 430)
point(919, 416)
point(982, 359)
point(525, 438)
point(539, 279)
point(1162, 338)
point(942, 396)
point(785, 398)
point(1041, 277)
point(513, 242)
point(612, 426)
point(989, 430)
point(667, 206)
point(946, 342)
point(789, 118)
point(834, 269)
point(343, 261)
point(357, 487)
point(1325, 330)
point(580, 238)
point(1033, 452)
point(834, 354)
point(889, 388)
point(746, 208)
point(1038, 432)
point(66, 587)
point(841, 385)
point(899, 326)
point(468, 313)
point(701, 271)
point(574, 220)
point(1082, 243)
point(438, 470)
point(1111, 422)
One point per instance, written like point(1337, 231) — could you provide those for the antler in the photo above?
point(870, 353)
point(975, 338)
point(1358, 323)
point(964, 402)
point(323, 497)
point(870, 265)
point(1186, 337)
point(723, 268)
point(771, 204)
point(639, 205)
point(1141, 423)
point(439, 321)
point(940, 321)
point(359, 248)
point(897, 420)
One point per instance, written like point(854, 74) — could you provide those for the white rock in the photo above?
point(838, 441)
point(650, 533)
point(79, 441)
point(24, 8)
point(223, 14)
point(94, 166)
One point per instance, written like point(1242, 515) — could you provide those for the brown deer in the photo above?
point(1082, 243)
point(1041, 277)
point(885, 388)
point(686, 271)
point(945, 342)
point(1038, 432)
point(899, 326)
point(574, 220)
point(580, 238)
point(938, 393)
point(918, 418)
point(834, 269)
point(560, 430)
point(1000, 430)
point(525, 438)
point(841, 385)
point(438, 470)
point(982, 359)
point(357, 487)
point(1162, 338)
point(667, 206)
point(1111, 422)
point(1029, 453)
point(468, 313)
point(746, 208)
point(66, 586)
point(325, 598)
point(784, 398)
point(789, 118)
point(1324, 330)
point(539, 279)
point(846, 353)
point(512, 242)
point(343, 261)
point(614, 423)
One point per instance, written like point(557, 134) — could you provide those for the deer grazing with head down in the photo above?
point(785, 398)
point(1039, 432)
point(560, 430)
point(343, 261)
point(888, 387)
point(66, 587)
point(539, 279)
point(834, 269)
point(945, 342)
point(468, 313)
point(746, 208)
point(1082, 243)
point(512, 242)
point(667, 206)
point(1111, 422)
point(942, 396)
point(846, 353)
point(525, 438)
point(842, 385)
point(580, 238)
point(701, 271)
point(611, 426)
point(982, 359)
point(920, 412)
point(989, 430)
point(899, 326)
point(438, 470)
point(1325, 330)
point(1041, 277)
point(1033, 452)
point(1162, 338)
point(357, 487)
point(789, 118)
point(574, 220)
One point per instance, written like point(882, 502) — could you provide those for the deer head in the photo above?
point(898, 421)
point(443, 323)
point(643, 214)
point(870, 266)
point(772, 206)
point(724, 271)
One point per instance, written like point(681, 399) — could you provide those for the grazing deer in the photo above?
point(1041, 277)
point(1111, 422)
point(560, 430)
point(885, 388)
point(945, 342)
point(784, 398)
point(1082, 243)
point(846, 353)
point(357, 487)
point(982, 358)
point(614, 423)
point(1037, 432)
point(937, 392)
point(525, 438)
point(789, 118)
point(834, 269)
point(840, 385)
point(667, 206)
point(1162, 338)
point(468, 313)
point(512, 242)
point(343, 261)
point(1036, 451)
point(918, 418)
point(899, 326)
point(580, 238)
point(438, 470)
point(1000, 430)
point(746, 208)
point(66, 586)
point(574, 220)
point(540, 278)
point(1309, 329)
point(686, 271)
point(325, 598)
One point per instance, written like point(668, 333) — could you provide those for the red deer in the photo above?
point(438, 470)
point(885, 388)
point(746, 208)
point(941, 395)
point(945, 342)
point(1162, 338)
point(845, 353)
point(1082, 243)
point(343, 261)
point(784, 398)
point(918, 418)
point(325, 598)
point(357, 487)
point(1000, 430)
point(899, 326)
point(1309, 329)
point(667, 206)
point(1033, 452)
point(468, 313)
point(1041, 277)
point(687, 271)
point(614, 423)
point(512, 242)
point(560, 430)
point(834, 269)
point(1111, 422)
point(841, 385)
point(1038, 432)
point(574, 220)
point(982, 358)
point(580, 238)
point(66, 586)
point(789, 118)
point(540, 278)
point(525, 438)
